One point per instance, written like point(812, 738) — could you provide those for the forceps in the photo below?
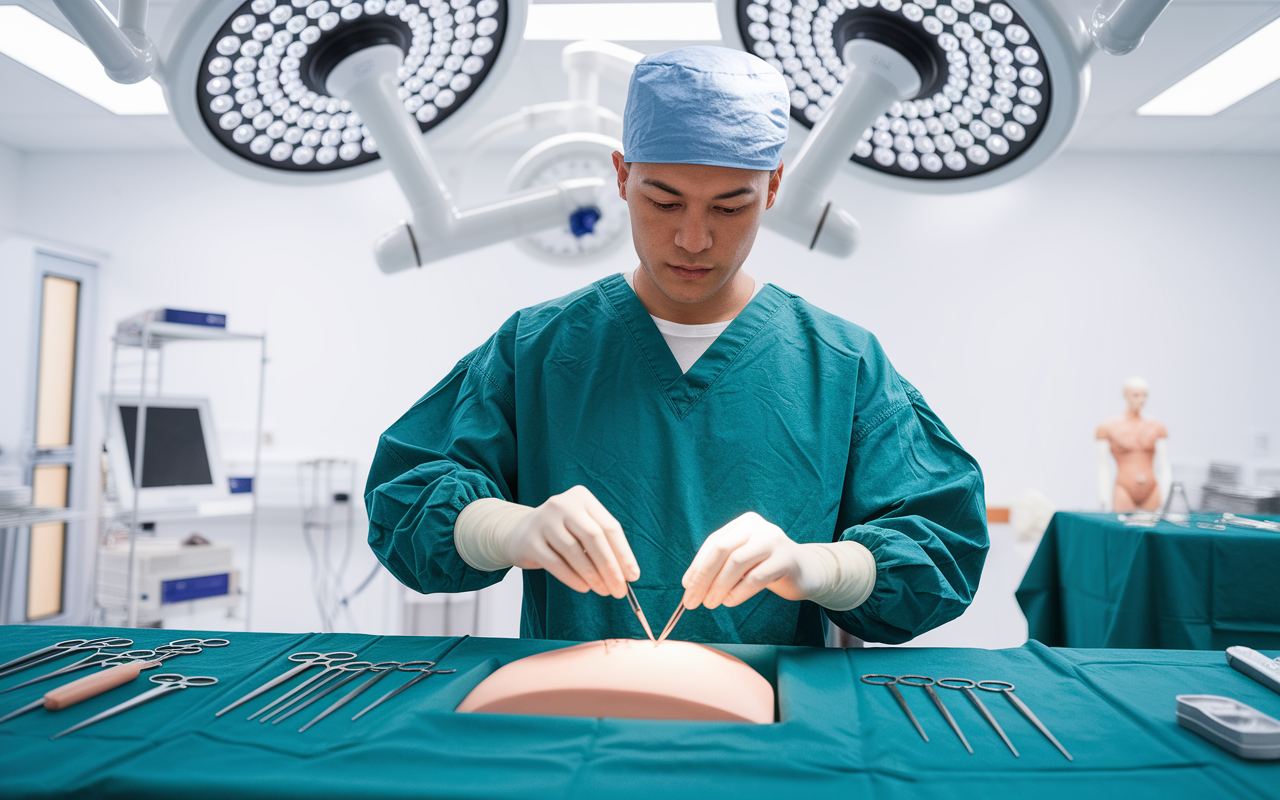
point(890, 681)
point(927, 685)
point(671, 623)
point(59, 650)
point(327, 674)
point(390, 666)
point(322, 689)
point(967, 686)
point(305, 661)
point(1005, 688)
point(423, 674)
point(94, 659)
point(639, 612)
point(169, 682)
point(162, 653)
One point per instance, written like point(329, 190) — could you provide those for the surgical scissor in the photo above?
point(169, 682)
point(927, 685)
point(55, 651)
point(1006, 688)
point(967, 686)
point(423, 674)
point(162, 653)
point(305, 661)
point(891, 681)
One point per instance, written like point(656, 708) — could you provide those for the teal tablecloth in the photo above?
point(838, 738)
point(1094, 582)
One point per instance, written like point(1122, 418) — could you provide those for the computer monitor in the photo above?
point(181, 465)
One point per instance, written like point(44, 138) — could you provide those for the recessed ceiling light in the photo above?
point(31, 41)
point(623, 22)
point(1224, 81)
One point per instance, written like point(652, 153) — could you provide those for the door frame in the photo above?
point(83, 458)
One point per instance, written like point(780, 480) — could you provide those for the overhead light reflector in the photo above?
point(1224, 81)
point(31, 41)
point(623, 22)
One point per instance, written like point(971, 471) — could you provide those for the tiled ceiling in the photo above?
point(41, 116)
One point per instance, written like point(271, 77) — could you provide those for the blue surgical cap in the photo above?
point(706, 105)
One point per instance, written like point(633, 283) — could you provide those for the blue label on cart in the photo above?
point(194, 588)
point(195, 318)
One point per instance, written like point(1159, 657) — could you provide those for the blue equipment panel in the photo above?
point(194, 588)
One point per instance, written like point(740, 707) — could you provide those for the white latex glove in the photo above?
point(571, 535)
point(751, 553)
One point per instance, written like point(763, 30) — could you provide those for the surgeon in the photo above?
point(715, 442)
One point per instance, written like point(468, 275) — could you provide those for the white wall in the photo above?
point(10, 165)
point(1017, 311)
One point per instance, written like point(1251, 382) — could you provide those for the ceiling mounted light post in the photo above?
point(367, 79)
point(125, 51)
point(1118, 26)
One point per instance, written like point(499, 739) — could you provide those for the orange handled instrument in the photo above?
point(84, 688)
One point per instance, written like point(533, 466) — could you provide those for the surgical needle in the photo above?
point(639, 612)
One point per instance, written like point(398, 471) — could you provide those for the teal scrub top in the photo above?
point(792, 413)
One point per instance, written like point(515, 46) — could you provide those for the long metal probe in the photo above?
point(982, 709)
point(423, 675)
point(639, 612)
point(902, 701)
point(34, 654)
point(937, 701)
point(325, 692)
point(889, 681)
point(306, 687)
point(927, 684)
point(1026, 712)
point(671, 623)
point(268, 686)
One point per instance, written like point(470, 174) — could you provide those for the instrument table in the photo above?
point(1095, 582)
point(837, 737)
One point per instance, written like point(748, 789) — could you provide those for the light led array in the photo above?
point(262, 96)
point(983, 108)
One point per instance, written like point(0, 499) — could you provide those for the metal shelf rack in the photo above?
point(153, 336)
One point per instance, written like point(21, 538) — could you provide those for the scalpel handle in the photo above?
point(93, 685)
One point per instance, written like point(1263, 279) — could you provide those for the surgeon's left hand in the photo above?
point(747, 555)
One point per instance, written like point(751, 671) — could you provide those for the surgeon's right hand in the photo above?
point(572, 536)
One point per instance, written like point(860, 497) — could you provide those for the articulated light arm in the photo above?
point(126, 53)
point(1118, 26)
point(879, 76)
point(439, 229)
point(584, 62)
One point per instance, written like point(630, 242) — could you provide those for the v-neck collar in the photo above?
point(684, 389)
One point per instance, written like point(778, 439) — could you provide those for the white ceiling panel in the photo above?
point(1188, 35)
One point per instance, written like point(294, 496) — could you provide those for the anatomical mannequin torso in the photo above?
point(1138, 446)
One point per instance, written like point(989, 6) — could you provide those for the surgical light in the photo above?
point(1234, 75)
point(924, 95)
point(307, 91)
point(260, 86)
point(36, 44)
point(985, 87)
